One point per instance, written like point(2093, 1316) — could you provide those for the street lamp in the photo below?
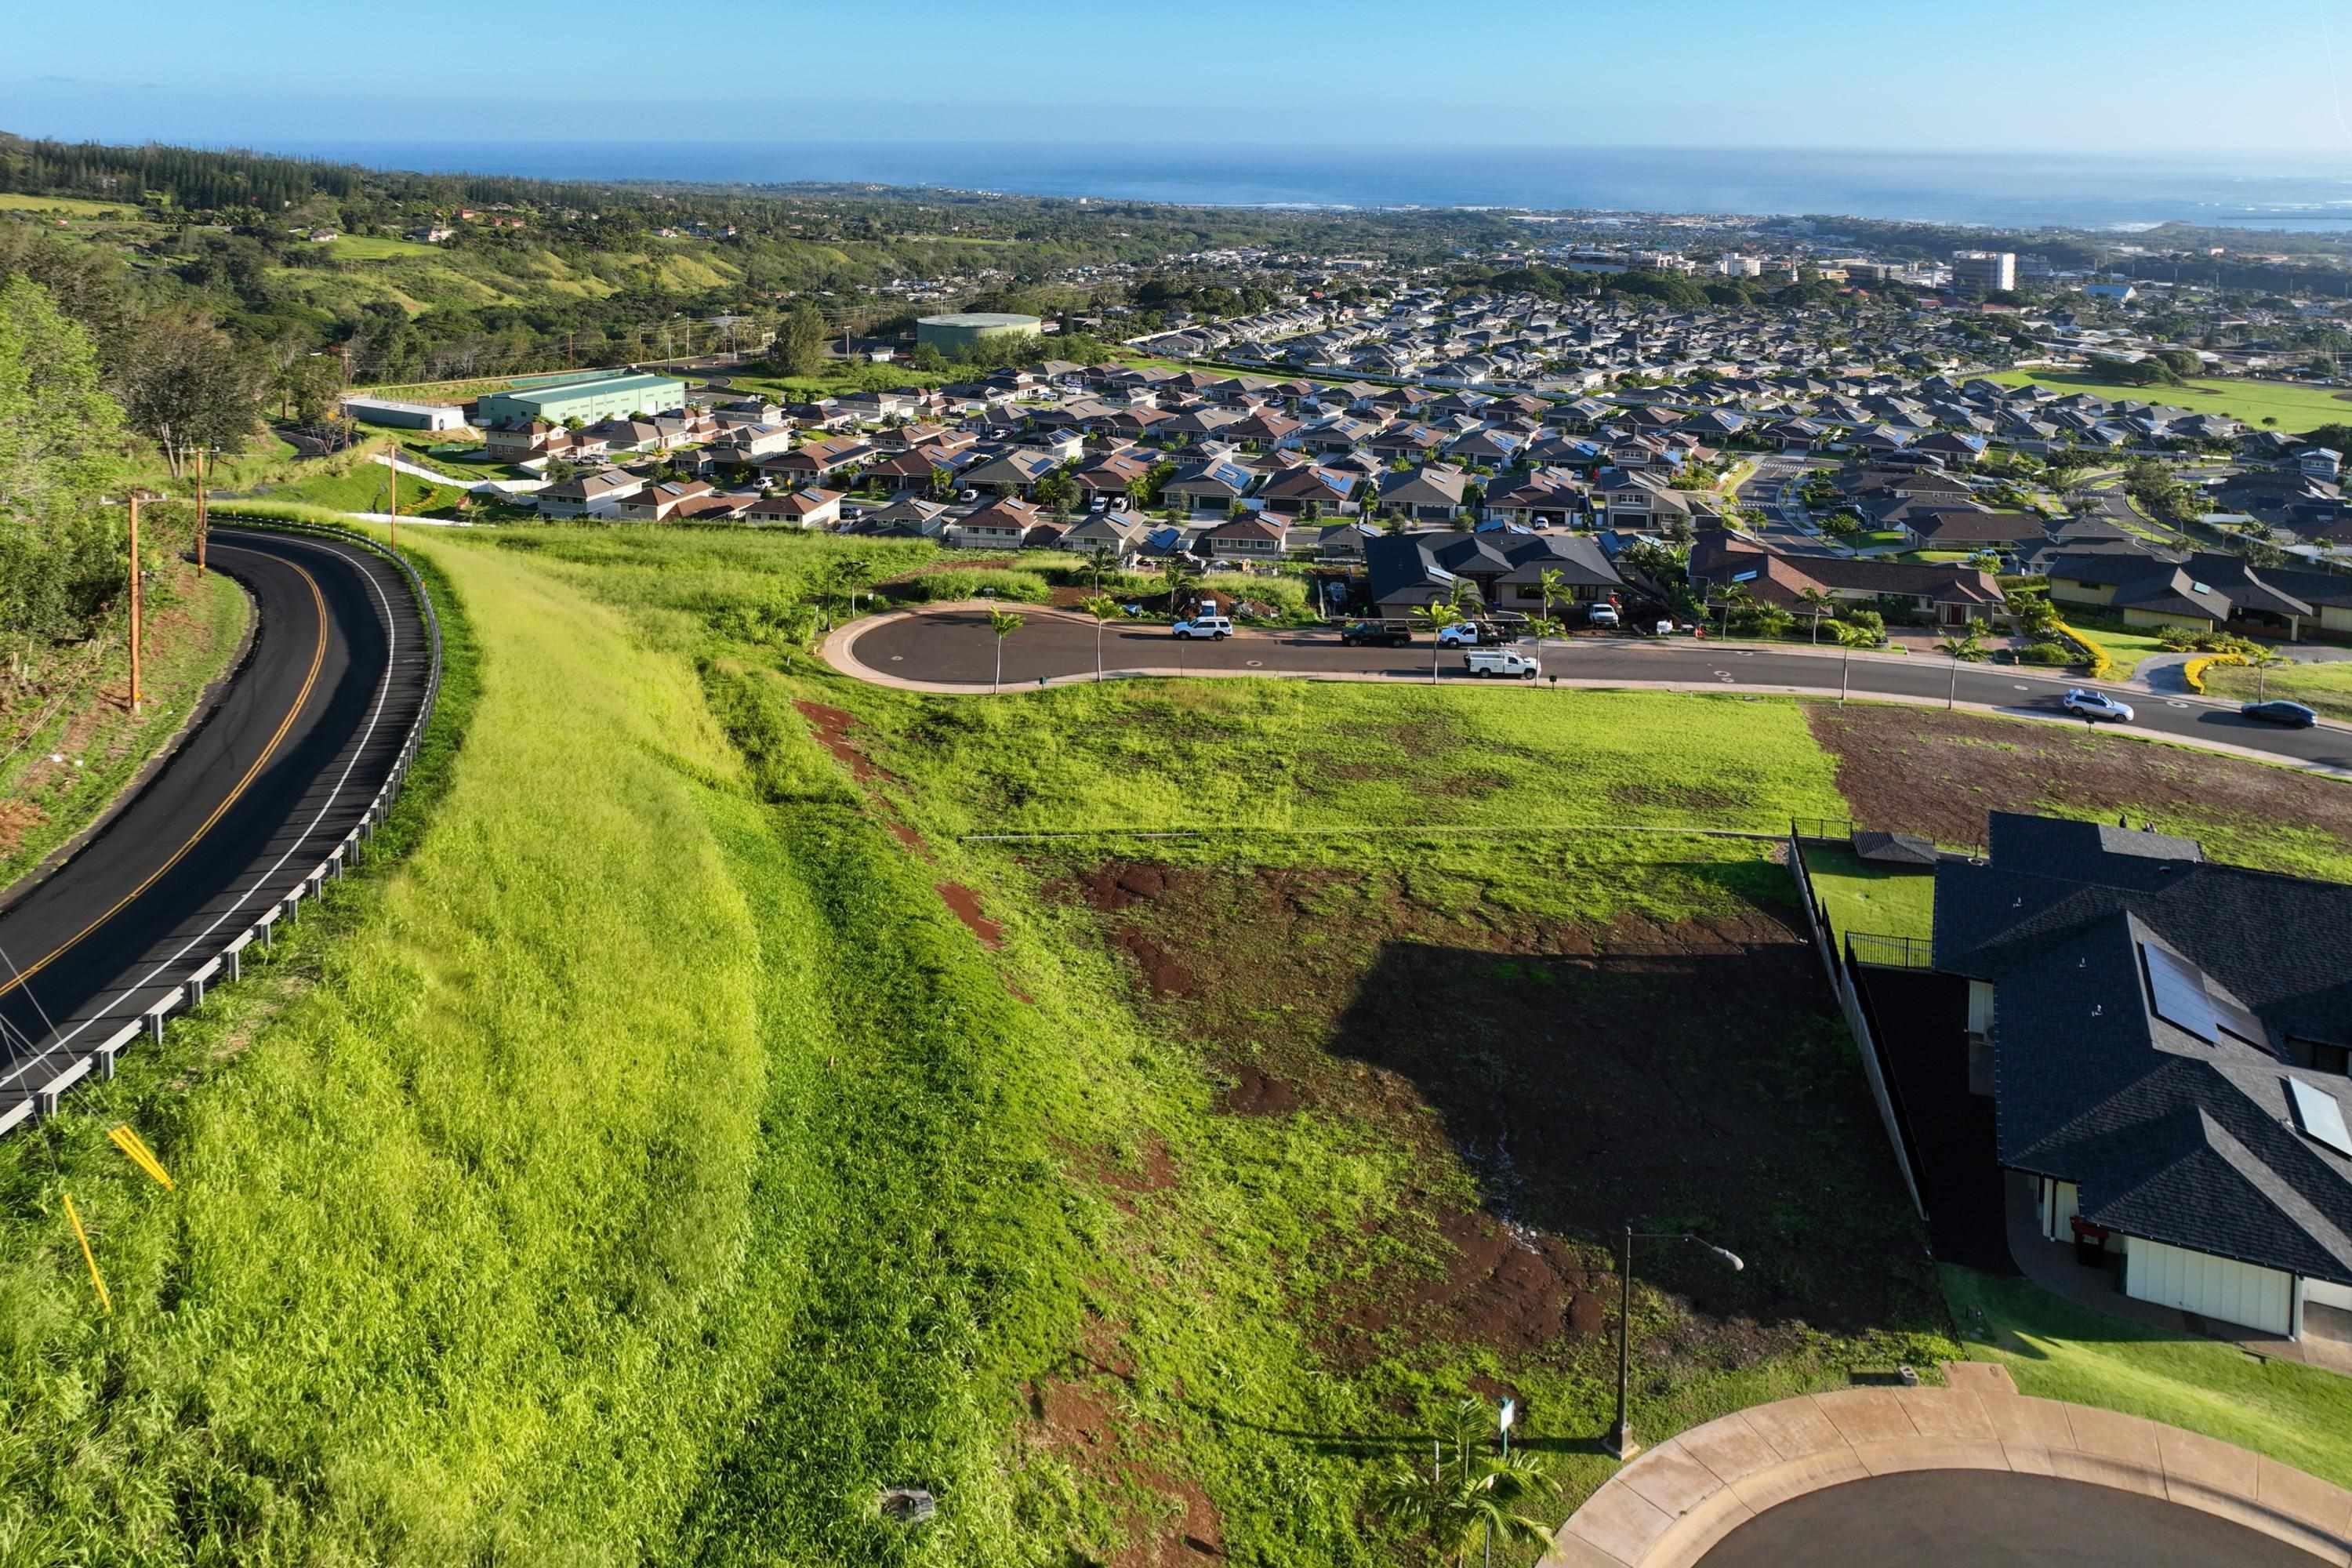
point(1620, 1441)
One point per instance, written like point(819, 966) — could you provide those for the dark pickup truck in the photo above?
point(1374, 633)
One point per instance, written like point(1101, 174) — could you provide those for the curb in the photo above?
point(1675, 1502)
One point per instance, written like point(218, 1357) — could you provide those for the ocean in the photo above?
point(2004, 189)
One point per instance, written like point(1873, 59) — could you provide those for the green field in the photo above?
point(2127, 645)
point(67, 206)
point(2325, 686)
point(2300, 1414)
point(1865, 897)
point(2293, 408)
point(712, 1119)
point(370, 248)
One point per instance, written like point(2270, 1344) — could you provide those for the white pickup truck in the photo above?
point(1502, 662)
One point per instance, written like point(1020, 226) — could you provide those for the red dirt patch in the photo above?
point(1501, 1286)
point(833, 726)
point(965, 903)
point(1157, 1173)
point(1257, 1092)
point(1080, 1422)
point(1898, 771)
point(1580, 1072)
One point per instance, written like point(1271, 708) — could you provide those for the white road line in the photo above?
point(391, 651)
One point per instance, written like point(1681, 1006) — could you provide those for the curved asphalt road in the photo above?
point(954, 648)
point(1993, 1519)
point(281, 770)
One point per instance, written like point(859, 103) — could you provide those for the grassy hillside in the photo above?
point(68, 741)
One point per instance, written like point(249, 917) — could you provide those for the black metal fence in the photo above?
point(1833, 829)
point(1889, 951)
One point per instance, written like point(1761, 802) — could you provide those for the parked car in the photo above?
point(1216, 627)
point(1373, 634)
point(1602, 615)
point(2096, 705)
point(2294, 715)
point(1503, 661)
point(1461, 634)
point(967, 495)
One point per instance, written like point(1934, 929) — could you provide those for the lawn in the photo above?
point(1861, 897)
point(2127, 645)
point(364, 487)
point(369, 247)
point(2294, 408)
point(66, 206)
point(2299, 1414)
point(2325, 686)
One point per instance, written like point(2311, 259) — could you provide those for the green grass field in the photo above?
point(66, 206)
point(1866, 897)
point(2127, 645)
point(2294, 408)
point(370, 248)
point(2300, 1415)
point(2325, 686)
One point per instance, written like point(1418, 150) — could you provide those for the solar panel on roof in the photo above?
point(2238, 1021)
point(2320, 1117)
point(2176, 993)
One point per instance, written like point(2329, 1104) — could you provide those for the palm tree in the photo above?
point(1180, 570)
point(1816, 603)
point(1482, 1501)
point(1004, 623)
point(1096, 559)
point(1437, 617)
point(1729, 594)
point(1552, 581)
point(1102, 607)
point(1969, 648)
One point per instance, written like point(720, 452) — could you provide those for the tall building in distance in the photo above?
point(1983, 271)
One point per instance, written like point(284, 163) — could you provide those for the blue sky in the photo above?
point(2151, 77)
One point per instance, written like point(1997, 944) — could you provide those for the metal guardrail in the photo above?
point(226, 963)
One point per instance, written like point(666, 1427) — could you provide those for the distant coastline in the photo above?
point(1993, 190)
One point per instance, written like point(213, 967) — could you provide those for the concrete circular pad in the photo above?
point(1959, 1519)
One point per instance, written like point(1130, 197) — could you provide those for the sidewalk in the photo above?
point(1675, 1502)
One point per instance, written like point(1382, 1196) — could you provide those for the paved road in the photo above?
point(281, 770)
point(955, 647)
point(1993, 1519)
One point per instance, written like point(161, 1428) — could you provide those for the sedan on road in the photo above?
point(2095, 705)
point(2294, 715)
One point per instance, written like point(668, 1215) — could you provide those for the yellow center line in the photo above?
point(318, 659)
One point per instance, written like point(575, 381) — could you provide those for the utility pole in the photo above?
point(203, 463)
point(136, 696)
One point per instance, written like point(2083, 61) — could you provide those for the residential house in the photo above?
point(1243, 540)
point(1431, 493)
point(1210, 486)
point(597, 494)
point(655, 502)
point(811, 508)
point(1002, 524)
point(2165, 1042)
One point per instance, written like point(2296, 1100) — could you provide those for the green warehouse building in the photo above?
point(953, 335)
point(586, 398)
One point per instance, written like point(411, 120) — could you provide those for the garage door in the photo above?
point(2320, 1295)
point(2210, 1287)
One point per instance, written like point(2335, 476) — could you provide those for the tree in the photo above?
point(1484, 1501)
point(61, 559)
point(1102, 607)
point(1004, 623)
point(1818, 602)
point(1552, 583)
point(1437, 617)
point(1180, 570)
point(1057, 491)
point(184, 384)
point(801, 340)
point(1099, 557)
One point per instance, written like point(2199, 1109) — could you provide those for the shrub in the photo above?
point(2050, 653)
point(2101, 660)
point(2193, 672)
point(969, 583)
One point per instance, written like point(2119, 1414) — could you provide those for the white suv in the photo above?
point(2087, 705)
point(1216, 627)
